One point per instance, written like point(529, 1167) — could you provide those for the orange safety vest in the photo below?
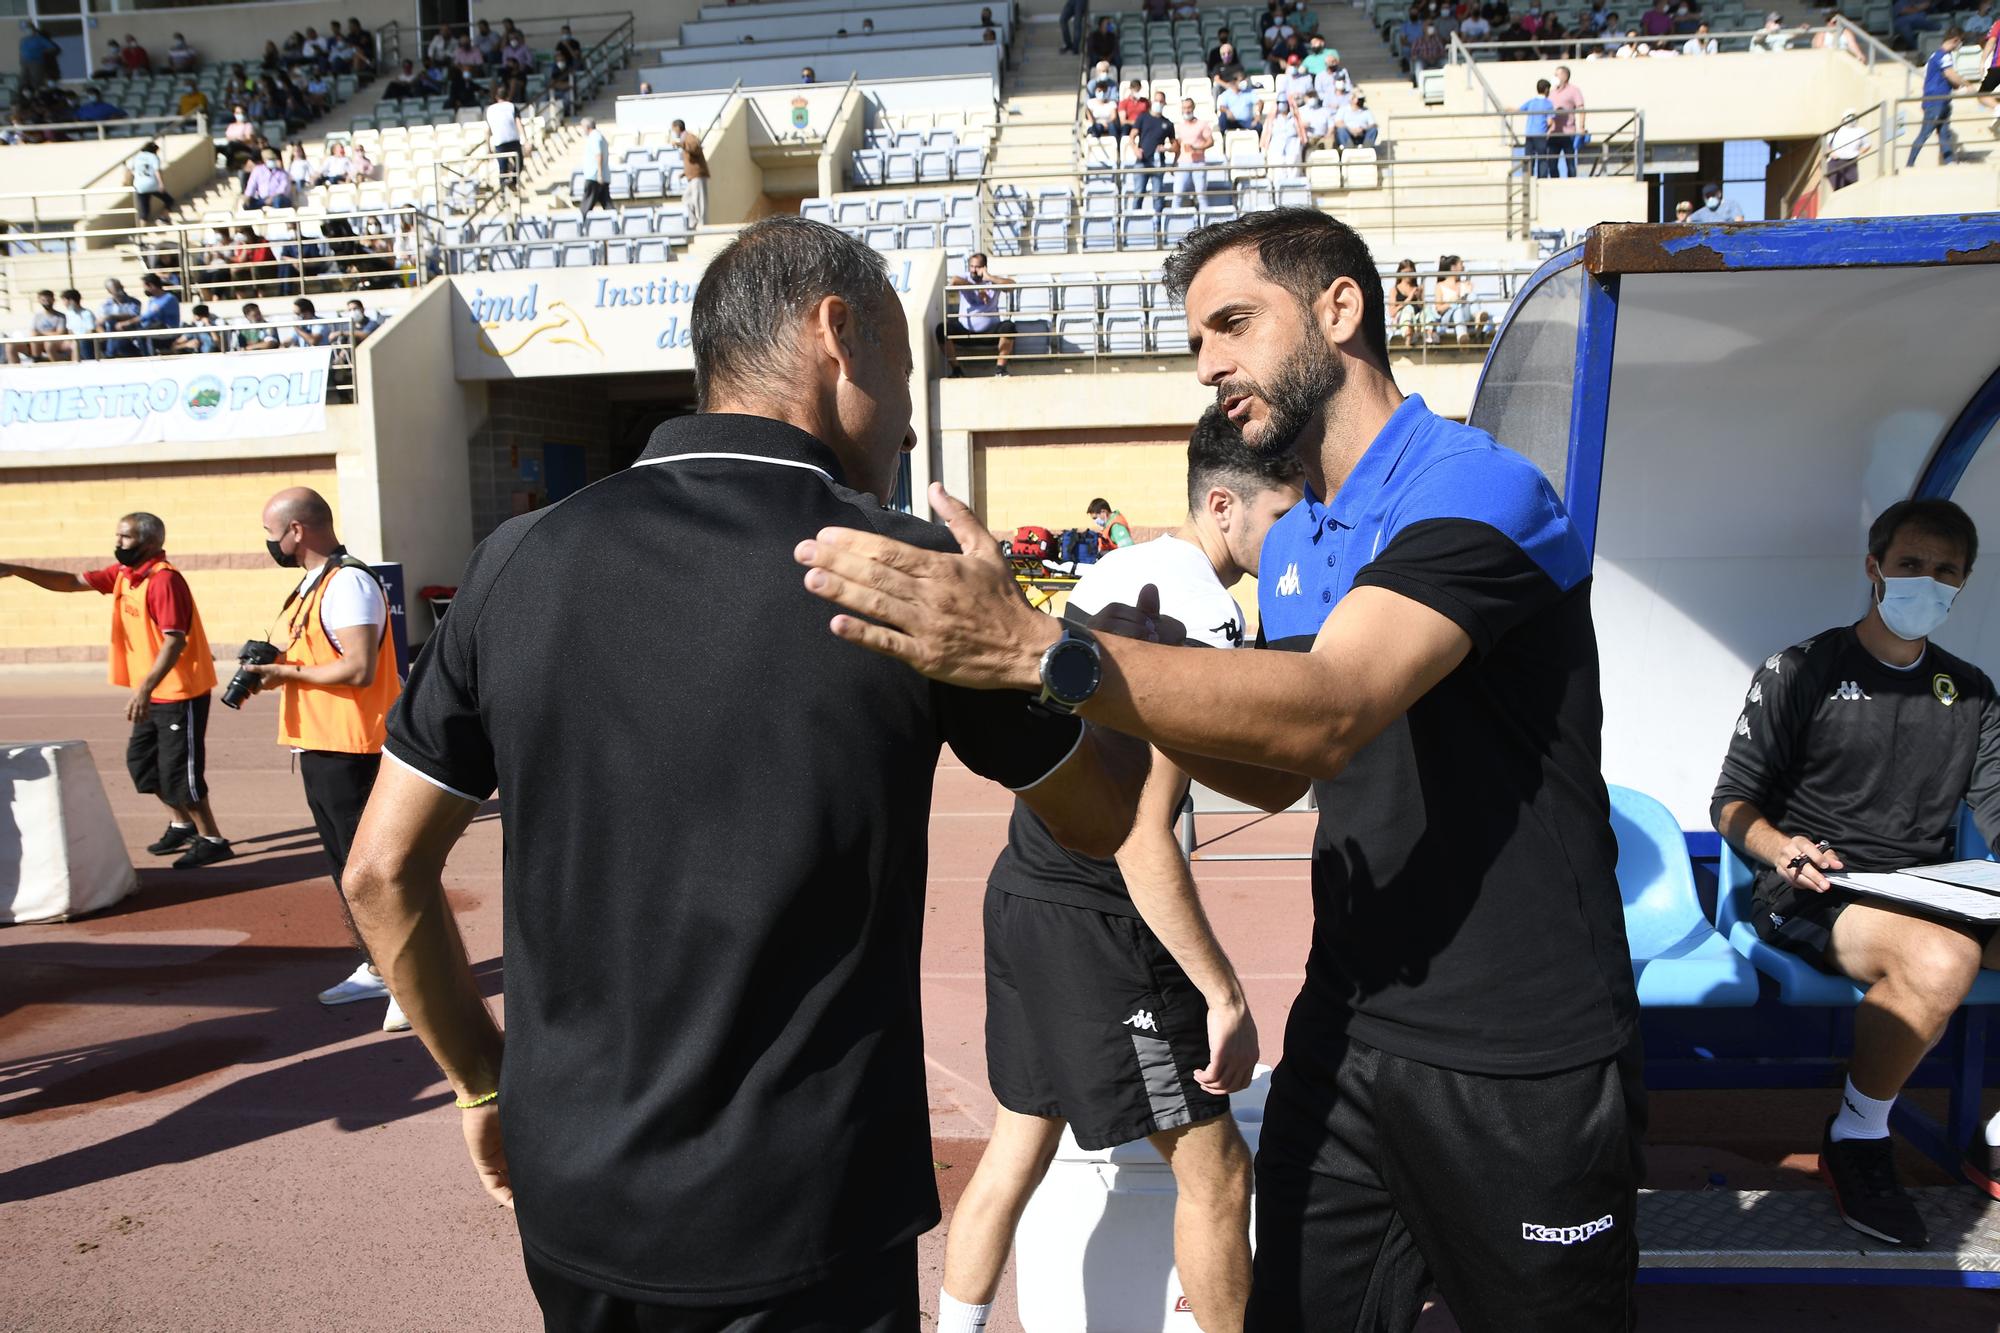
point(349, 719)
point(136, 642)
point(1106, 543)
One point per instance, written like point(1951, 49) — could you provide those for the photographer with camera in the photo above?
point(160, 653)
point(336, 667)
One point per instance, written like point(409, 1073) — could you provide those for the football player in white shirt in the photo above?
point(1148, 1032)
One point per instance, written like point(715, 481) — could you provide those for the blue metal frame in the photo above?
point(1840, 242)
point(1590, 405)
point(1954, 452)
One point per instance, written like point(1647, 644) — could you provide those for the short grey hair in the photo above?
point(590, 122)
point(754, 293)
point(152, 529)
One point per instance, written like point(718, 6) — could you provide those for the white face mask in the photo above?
point(1915, 608)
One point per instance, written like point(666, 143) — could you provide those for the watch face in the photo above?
point(1072, 671)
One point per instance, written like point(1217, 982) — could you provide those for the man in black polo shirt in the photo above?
point(1459, 1101)
point(1853, 752)
point(1149, 137)
point(713, 1096)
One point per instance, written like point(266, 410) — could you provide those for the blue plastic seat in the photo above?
point(1799, 982)
point(1678, 959)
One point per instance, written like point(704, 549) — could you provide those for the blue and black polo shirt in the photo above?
point(1466, 908)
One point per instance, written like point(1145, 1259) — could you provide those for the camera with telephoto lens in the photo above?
point(255, 653)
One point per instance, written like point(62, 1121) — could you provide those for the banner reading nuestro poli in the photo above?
point(154, 400)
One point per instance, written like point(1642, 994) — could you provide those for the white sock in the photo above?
point(1861, 1116)
point(955, 1316)
point(1993, 1130)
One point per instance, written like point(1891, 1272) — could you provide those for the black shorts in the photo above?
point(1379, 1178)
point(1089, 1018)
point(167, 754)
point(877, 1295)
point(1992, 79)
point(987, 341)
point(1800, 921)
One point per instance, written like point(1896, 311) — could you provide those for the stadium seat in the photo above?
point(1031, 337)
point(1678, 958)
point(1139, 229)
point(900, 168)
point(817, 210)
point(1124, 295)
point(1125, 331)
point(565, 229)
point(968, 162)
point(621, 184)
point(1031, 294)
point(579, 254)
point(1076, 334)
point(934, 164)
point(651, 252)
point(1176, 223)
point(601, 226)
point(851, 213)
point(920, 236)
point(542, 256)
point(964, 236)
point(1169, 329)
point(882, 237)
point(927, 208)
point(649, 183)
point(1099, 232)
point(892, 209)
point(869, 166)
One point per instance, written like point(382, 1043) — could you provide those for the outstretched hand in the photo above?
point(958, 618)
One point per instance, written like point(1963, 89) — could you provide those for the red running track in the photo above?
point(191, 1144)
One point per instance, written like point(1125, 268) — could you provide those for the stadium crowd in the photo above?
point(65, 329)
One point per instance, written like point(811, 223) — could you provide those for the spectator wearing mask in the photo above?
point(1656, 21)
point(1294, 83)
point(1193, 138)
point(145, 171)
point(1316, 121)
point(1476, 27)
point(1538, 108)
point(1854, 752)
point(1844, 148)
point(1104, 82)
point(1314, 62)
point(1684, 210)
point(95, 107)
point(1133, 105)
point(193, 101)
point(806, 75)
point(1102, 45)
point(408, 82)
point(1335, 84)
point(594, 161)
point(269, 185)
point(1427, 52)
point(1151, 139)
point(1715, 208)
point(132, 58)
point(1701, 44)
point(1112, 529)
point(310, 331)
point(254, 333)
point(1238, 108)
point(120, 311)
point(1221, 54)
point(1941, 80)
point(517, 50)
point(1356, 127)
point(203, 333)
point(694, 172)
point(359, 324)
point(1103, 118)
point(161, 309)
point(467, 56)
point(1566, 124)
point(79, 323)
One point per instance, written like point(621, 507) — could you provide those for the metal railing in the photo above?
point(1575, 46)
point(197, 263)
point(139, 346)
point(35, 207)
point(124, 127)
point(1106, 316)
point(1869, 162)
point(1903, 121)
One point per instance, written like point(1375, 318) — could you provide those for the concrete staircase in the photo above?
point(1038, 117)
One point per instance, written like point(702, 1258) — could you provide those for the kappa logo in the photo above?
point(1232, 631)
point(1944, 689)
point(1573, 1235)
point(1771, 662)
point(1143, 1021)
point(1288, 582)
point(1850, 689)
point(1757, 693)
point(1743, 725)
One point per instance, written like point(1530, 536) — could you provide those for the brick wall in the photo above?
point(522, 416)
point(65, 517)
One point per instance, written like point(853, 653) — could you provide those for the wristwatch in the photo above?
point(1071, 670)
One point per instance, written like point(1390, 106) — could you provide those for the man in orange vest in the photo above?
point(159, 652)
point(1112, 529)
point(337, 674)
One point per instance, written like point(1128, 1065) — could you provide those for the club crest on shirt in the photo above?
point(1944, 689)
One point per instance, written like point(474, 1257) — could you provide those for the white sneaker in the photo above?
point(395, 1020)
point(363, 985)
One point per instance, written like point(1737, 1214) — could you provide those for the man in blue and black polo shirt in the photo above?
point(1459, 1102)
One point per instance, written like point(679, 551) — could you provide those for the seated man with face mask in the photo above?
point(1853, 752)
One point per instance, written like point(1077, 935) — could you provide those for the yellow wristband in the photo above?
point(467, 1103)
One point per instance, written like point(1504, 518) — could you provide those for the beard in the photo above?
point(1302, 388)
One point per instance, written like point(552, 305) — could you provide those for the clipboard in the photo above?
point(1925, 892)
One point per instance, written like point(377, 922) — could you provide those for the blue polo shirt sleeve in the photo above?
point(1479, 537)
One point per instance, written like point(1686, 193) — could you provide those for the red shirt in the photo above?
point(168, 600)
point(134, 58)
point(1131, 108)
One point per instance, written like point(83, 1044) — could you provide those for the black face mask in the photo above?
point(129, 556)
point(278, 554)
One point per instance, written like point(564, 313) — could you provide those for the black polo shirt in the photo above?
point(716, 818)
point(1152, 131)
